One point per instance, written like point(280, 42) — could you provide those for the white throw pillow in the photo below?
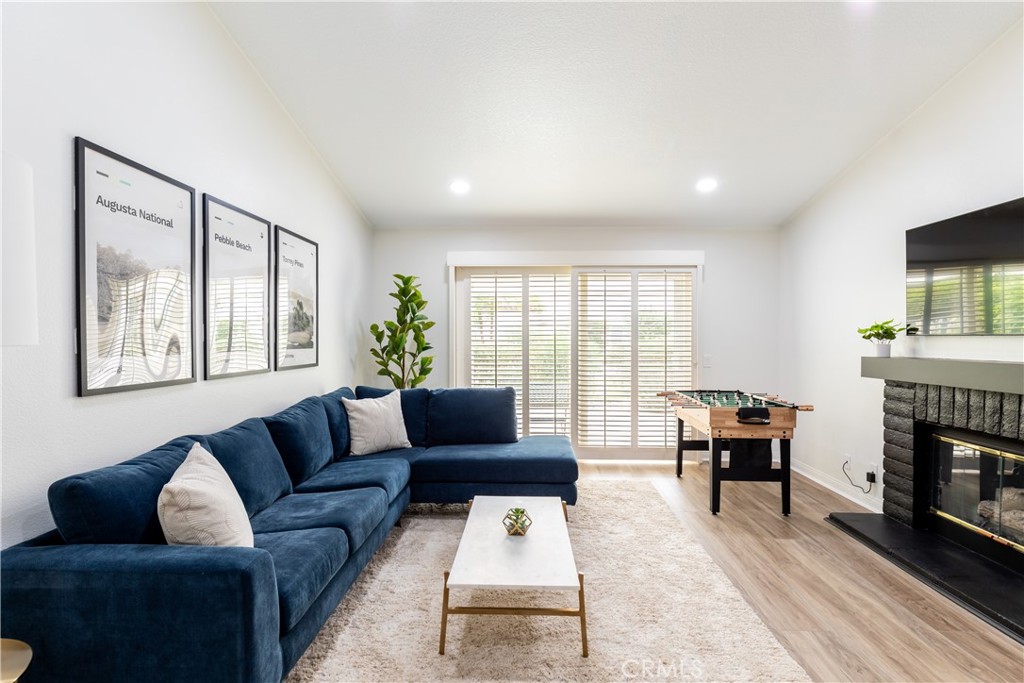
point(200, 505)
point(376, 424)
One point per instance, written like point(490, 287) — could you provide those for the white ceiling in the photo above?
point(602, 114)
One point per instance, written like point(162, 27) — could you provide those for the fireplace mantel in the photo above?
point(986, 375)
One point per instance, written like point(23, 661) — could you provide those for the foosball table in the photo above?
point(739, 422)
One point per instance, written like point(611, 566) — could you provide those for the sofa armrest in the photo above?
point(142, 612)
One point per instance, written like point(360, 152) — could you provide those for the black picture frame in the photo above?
point(237, 274)
point(135, 274)
point(297, 335)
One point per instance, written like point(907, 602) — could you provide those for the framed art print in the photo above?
point(297, 344)
point(237, 288)
point(135, 272)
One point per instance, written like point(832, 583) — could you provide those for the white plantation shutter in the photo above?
point(664, 351)
point(496, 334)
point(604, 359)
point(634, 339)
point(587, 351)
point(519, 336)
point(550, 354)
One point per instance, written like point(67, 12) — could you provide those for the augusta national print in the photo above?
point(135, 274)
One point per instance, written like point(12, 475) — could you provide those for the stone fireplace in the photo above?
point(912, 413)
point(912, 410)
point(953, 481)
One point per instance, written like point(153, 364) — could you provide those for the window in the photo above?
point(634, 339)
point(587, 350)
point(496, 333)
point(519, 336)
point(550, 354)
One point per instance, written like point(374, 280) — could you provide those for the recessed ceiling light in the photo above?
point(459, 186)
point(705, 185)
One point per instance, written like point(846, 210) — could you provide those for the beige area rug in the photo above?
point(658, 608)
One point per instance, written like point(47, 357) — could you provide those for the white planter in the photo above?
point(883, 350)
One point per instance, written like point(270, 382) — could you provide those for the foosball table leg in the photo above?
point(679, 447)
point(716, 475)
point(784, 464)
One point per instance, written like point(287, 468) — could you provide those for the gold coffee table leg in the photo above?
point(14, 658)
point(444, 615)
point(583, 618)
point(565, 510)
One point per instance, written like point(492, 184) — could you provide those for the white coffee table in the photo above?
point(541, 560)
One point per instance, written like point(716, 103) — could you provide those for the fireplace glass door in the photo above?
point(979, 487)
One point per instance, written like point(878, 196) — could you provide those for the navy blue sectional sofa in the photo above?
point(104, 598)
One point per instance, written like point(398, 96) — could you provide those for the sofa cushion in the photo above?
point(410, 455)
point(305, 561)
point(250, 458)
point(117, 504)
point(531, 460)
point(457, 416)
point(356, 512)
point(337, 419)
point(302, 437)
point(414, 410)
point(390, 474)
point(440, 492)
point(200, 506)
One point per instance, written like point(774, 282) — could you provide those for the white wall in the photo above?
point(738, 309)
point(163, 85)
point(843, 256)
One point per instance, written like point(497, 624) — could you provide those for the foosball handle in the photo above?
point(806, 409)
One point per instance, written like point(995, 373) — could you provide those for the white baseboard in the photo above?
point(842, 487)
point(839, 486)
point(629, 461)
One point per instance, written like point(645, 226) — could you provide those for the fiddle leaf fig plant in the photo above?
point(884, 332)
point(402, 342)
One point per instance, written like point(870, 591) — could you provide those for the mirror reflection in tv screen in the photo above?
point(965, 275)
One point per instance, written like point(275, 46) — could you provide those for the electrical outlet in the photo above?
point(872, 474)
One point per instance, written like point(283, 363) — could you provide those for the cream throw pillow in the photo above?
point(376, 424)
point(200, 506)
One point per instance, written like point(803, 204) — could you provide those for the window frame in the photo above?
point(461, 265)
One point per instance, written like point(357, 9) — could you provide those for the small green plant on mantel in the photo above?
point(402, 342)
point(883, 332)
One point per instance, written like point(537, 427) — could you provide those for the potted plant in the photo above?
point(883, 334)
point(401, 342)
point(517, 522)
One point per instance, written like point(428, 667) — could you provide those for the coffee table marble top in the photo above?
point(489, 558)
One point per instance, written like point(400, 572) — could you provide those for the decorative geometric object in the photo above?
point(517, 522)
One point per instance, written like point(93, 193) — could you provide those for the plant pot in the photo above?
point(883, 350)
point(517, 522)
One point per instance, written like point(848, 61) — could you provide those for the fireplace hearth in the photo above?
point(953, 496)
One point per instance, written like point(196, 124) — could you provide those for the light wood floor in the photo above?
point(842, 611)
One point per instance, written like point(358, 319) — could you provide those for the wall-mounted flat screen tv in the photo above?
point(965, 275)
